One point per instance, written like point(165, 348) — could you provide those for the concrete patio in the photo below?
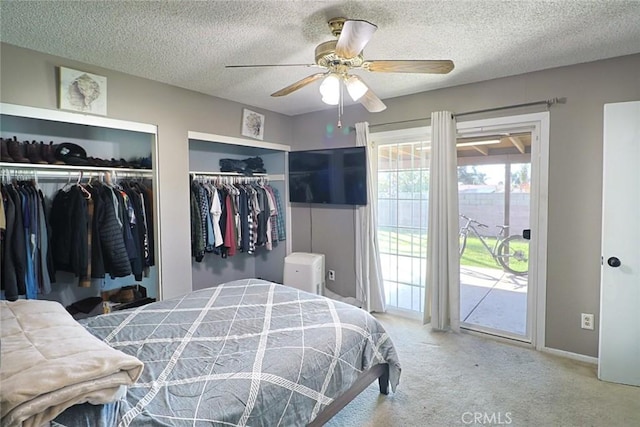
point(493, 299)
point(489, 297)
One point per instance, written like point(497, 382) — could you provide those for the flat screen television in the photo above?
point(336, 176)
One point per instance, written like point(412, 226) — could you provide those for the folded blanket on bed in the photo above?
point(49, 362)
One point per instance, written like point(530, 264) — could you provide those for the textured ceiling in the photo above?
point(188, 43)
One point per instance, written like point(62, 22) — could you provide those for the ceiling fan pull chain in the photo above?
point(340, 87)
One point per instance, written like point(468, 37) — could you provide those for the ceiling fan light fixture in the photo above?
point(330, 100)
point(356, 87)
point(330, 89)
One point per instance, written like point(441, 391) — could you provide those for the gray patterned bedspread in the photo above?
point(248, 352)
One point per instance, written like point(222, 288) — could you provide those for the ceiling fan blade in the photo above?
point(372, 103)
point(417, 66)
point(299, 84)
point(271, 65)
point(354, 37)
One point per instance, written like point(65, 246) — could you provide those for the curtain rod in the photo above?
point(548, 103)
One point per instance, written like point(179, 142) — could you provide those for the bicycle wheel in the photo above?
point(463, 242)
point(513, 255)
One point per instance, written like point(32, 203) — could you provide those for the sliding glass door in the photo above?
point(495, 183)
point(494, 202)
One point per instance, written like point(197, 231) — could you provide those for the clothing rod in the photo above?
point(57, 175)
point(21, 176)
point(49, 174)
point(259, 175)
point(548, 103)
point(34, 167)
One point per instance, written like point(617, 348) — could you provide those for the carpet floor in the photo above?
point(461, 379)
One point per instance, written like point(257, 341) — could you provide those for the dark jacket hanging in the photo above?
point(49, 255)
point(148, 210)
point(18, 247)
point(108, 251)
point(114, 254)
point(9, 272)
point(197, 242)
point(138, 232)
point(69, 226)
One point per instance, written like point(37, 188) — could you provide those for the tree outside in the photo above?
point(469, 175)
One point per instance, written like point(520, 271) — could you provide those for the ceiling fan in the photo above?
point(339, 57)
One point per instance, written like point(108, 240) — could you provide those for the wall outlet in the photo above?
point(586, 321)
point(332, 275)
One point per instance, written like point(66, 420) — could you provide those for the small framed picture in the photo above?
point(252, 124)
point(81, 91)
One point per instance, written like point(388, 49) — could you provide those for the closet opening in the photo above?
point(242, 177)
point(92, 219)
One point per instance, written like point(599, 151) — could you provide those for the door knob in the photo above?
point(614, 262)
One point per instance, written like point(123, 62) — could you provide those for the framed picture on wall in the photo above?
point(252, 124)
point(81, 91)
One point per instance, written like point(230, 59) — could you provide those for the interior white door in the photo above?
point(619, 355)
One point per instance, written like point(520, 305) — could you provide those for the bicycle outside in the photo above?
point(511, 252)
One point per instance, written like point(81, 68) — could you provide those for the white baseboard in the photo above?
point(570, 355)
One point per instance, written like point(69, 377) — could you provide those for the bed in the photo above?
point(247, 352)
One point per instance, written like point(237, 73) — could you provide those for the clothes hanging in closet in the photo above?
point(227, 218)
point(100, 229)
point(91, 230)
point(25, 256)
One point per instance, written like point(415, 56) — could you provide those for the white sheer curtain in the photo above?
point(442, 298)
point(368, 271)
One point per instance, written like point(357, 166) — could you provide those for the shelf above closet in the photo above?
point(74, 118)
point(206, 150)
point(253, 147)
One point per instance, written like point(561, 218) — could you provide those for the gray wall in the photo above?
point(29, 78)
point(575, 177)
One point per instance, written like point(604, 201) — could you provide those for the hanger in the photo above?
point(114, 181)
point(84, 191)
point(67, 185)
point(5, 177)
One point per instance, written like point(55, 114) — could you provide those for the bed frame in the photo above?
point(380, 371)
